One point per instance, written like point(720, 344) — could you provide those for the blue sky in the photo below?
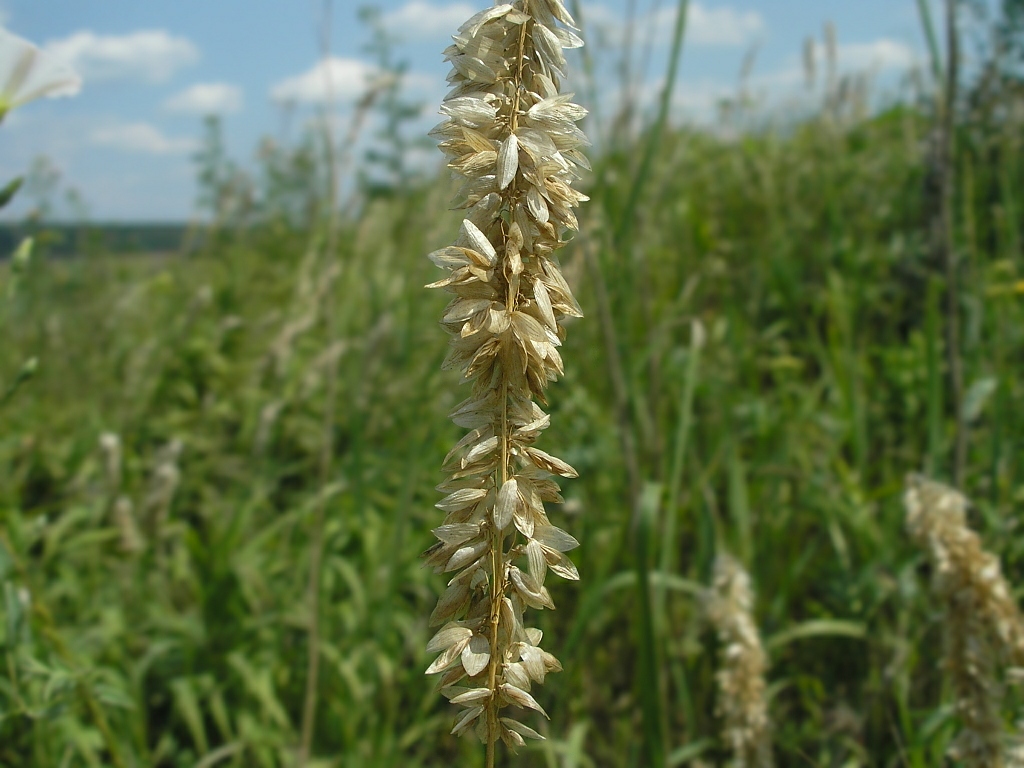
point(153, 68)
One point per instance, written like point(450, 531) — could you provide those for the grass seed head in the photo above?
point(741, 677)
point(983, 623)
point(510, 134)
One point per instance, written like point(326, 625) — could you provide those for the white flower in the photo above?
point(27, 73)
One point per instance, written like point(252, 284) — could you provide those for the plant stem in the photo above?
point(651, 146)
point(945, 235)
point(502, 475)
point(935, 58)
point(316, 547)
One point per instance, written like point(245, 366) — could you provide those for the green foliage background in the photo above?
point(820, 383)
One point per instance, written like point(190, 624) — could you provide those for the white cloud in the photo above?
point(334, 78)
point(141, 138)
point(418, 19)
point(878, 55)
point(150, 55)
point(721, 26)
point(206, 99)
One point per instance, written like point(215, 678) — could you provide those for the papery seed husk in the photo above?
point(535, 559)
point(506, 503)
point(467, 719)
point(456, 534)
point(451, 602)
point(512, 739)
point(478, 241)
point(465, 555)
point(449, 657)
point(473, 694)
point(540, 294)
point(521, 698)
point(521, 729)
point(461, 499)
point(508, 161)
point(475, 655)
point(470, 110)
point(561, 565)
point(516, 674)
point(447, 637)
point(533, 662)
point(472, 68)
point(555, 538)
point(550, 463)
point(473, 24)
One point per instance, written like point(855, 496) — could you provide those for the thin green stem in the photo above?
point(652, 145)
point(316, 547)
point(935, 58)
point(948, 181)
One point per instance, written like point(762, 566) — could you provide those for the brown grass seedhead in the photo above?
point(512, 137)
point(984, 629)
point(741, 677)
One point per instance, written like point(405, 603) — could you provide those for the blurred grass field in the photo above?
point(757, 372)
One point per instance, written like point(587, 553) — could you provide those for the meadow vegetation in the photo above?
point(756, 374)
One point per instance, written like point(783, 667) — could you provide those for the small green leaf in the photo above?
point(817, 628)
point(23, 254)
point(977, 395)
point(12, 606)
point(10, 190)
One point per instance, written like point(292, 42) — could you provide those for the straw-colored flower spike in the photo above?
point(984, 629)
point(27, 73)
point(741, 678)
point(513, 137)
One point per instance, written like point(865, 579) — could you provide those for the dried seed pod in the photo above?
point(512, 136)
point(984, 626)
point(741, 678)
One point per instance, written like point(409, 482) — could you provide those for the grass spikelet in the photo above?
point(741, 678)
point(512, 136)
point(983, 623)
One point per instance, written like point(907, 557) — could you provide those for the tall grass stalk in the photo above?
point(942, 179)
point(653, 143)
point(946, 238)
point(512, 135)
point(326, 458)
point(928, 27)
